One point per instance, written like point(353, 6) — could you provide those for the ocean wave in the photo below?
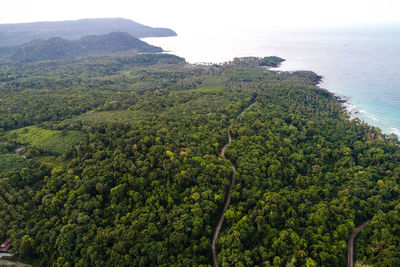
point(351, 109)
point(373, 118)
point(395, 131)
point(354, 111)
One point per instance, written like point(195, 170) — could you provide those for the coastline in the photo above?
point(353, 109)
point(369, 80)
point(342, 100)
point(354, 112)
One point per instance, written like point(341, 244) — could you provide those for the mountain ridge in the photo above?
point(58, 48)
point(18, 33)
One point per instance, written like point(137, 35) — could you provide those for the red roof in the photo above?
point(6, 245)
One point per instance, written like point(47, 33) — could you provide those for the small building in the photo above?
point(20, 150)
point(5, 247)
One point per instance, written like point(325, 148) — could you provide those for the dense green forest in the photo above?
point(58, 48)
point(121, 166)
point(270, 61)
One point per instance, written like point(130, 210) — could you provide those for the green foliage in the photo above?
point(64, 89)
point(58, 48)
point(26, 247)
point(106, 117)
point(48, 141)
point(147, 186)
point(272, 61)
point(11, 162)
point(114, 42)
point(51, 49)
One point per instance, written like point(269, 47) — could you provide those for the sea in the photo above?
point(361, 65)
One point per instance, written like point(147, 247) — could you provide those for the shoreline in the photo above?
point(354, 112)
point(345, 101)
point(299, 57)
point(342, 100)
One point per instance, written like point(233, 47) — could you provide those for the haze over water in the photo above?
point(363, 65)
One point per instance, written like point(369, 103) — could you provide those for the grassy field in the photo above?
point(53, 161)
point(47, 141)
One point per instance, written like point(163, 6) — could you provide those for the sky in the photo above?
point(224, 15)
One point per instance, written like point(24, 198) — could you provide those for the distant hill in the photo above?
point(54, 48)
point(16, 34)
point(58, 48)
point(115, 41)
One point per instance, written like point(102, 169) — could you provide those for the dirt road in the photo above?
point(351, 243)
point(227, 203)
point(228, 198)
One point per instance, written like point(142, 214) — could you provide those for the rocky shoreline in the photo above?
point(340, 99)
point(344, 101)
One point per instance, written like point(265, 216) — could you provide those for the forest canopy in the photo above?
point(58, 48)
point(121, 166)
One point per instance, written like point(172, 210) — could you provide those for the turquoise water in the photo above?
point(363, 65)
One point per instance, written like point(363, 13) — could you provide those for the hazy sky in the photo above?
point(218, 14)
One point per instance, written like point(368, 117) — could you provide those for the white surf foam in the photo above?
point(373, 118)
point(395, 131)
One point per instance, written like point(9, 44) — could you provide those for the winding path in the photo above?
point(228, 199)
point(351, 243)
point(228, 202)
point(249, 107)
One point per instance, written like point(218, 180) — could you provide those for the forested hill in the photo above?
point(16, 34)
point(58, 48)
point(114, 42)
point(116, 161)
